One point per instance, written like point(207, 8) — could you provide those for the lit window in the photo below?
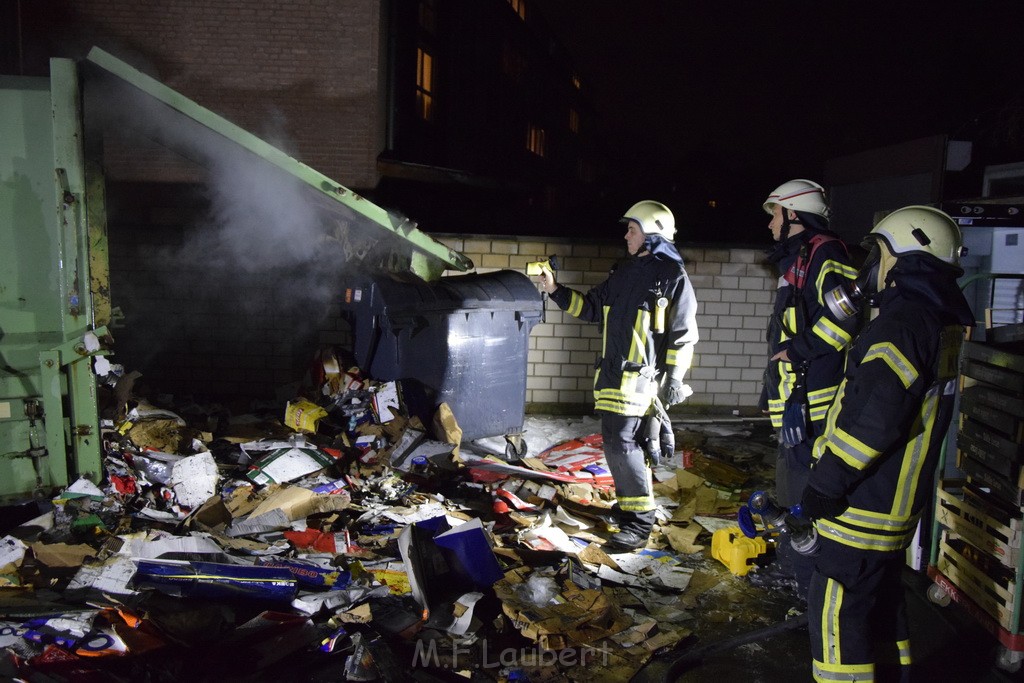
point(519, 7)
point(535, 140)
point(424, 84)
point(576, 82)
point(574, 121)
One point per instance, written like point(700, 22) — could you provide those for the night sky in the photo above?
point(725, 100)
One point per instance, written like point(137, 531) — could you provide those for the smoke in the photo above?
point(265, 255)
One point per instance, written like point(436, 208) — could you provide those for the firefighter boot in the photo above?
point(634, 529)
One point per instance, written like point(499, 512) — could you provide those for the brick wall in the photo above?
point(247, 334)
point(734, 289)
point(304, 75)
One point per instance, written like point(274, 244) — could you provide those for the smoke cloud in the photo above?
point(256, 273)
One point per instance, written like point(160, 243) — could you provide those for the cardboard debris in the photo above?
point(288, 464)
point(683, 538)
point(296, 502)
point(62, 554)
point(446, 427)
point(351, 527)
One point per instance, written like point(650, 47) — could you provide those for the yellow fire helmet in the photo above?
point(920, 229)
point(654, 218)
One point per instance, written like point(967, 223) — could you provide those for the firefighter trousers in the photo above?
point(792, 469)
point(857, 614)
point(622, 435)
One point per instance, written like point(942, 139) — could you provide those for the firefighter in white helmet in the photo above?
point(805, 342)
point(648, 316)
point(874, 466)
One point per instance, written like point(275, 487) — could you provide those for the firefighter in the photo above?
point(648, 315)
point(874, 465)
point(805, 343)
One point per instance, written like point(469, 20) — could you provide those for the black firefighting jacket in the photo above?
point(884, 432)
point(801, 323)
point(641, 339)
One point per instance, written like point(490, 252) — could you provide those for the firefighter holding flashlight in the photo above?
point(805, 342)
point(874, 466)
point(648, 313)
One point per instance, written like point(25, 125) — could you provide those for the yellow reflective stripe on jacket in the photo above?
point(832, 266)
point(788, 324)
point(818, 404)
point(604, 333)
point(853, 452)
point(638, 346)
point(820, 401)
point(575, 303)
point(916, 452)
point(671, 357)
point(870, 519)
point(903, 648)
point(819, 412)
point(891, 356)
point(830, 333)
point(635, 393)
point(620, 403)
point(857, 538)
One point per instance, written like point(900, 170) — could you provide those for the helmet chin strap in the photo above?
point(786, 223)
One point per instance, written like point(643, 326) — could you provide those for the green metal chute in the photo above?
point(408, 248)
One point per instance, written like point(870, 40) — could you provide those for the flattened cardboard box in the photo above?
point(584, 618)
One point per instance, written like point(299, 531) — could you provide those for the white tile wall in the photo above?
point(734, 289)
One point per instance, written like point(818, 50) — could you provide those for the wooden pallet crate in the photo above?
point(979, 526)
point(994, 594)
point(1007, 489)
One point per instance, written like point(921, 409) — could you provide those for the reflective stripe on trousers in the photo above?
point(856, 608)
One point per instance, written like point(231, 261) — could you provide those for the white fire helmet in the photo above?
point(920, 229)
point(654, 218)
point(799, 195)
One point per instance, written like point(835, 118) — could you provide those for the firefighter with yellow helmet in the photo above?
point(648, 313)
point(874, 465)
point(805, 342)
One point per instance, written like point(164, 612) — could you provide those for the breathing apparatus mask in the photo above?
point(847, 300)
point(912, 230)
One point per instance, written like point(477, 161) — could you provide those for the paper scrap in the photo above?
point(194, 479)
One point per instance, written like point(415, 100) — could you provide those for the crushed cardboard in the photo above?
point(326, 533)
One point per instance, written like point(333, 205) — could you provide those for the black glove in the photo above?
point(817, 505)
point(674, 392)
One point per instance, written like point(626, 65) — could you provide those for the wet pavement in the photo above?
point(947, 644)
point(753, 628)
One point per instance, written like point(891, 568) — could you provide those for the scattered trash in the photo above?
point(361, 538)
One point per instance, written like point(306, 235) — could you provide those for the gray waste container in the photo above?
point(464, 337)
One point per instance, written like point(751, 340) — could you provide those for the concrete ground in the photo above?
point(947, 644)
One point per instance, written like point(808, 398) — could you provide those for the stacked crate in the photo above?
point(979, 558)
